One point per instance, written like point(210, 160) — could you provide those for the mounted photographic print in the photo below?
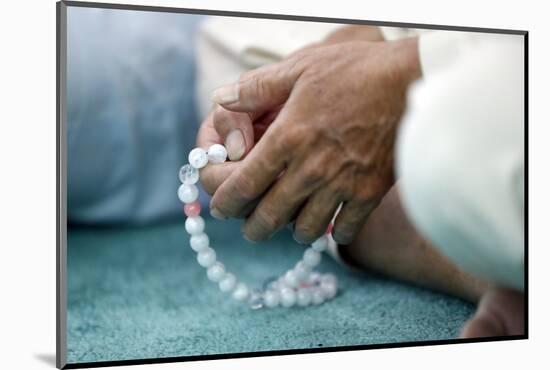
point(235, 184)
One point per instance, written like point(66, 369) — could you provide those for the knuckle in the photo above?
point(207, 181)
point(341, 190)
point(362, 199)
point(245, 187)
point(267, 220)
point(345, 229)
point(315, 174)
point(224, 121)
point(290, 138)
point(218, 115)
point(259, 86)
point(343, 236)
point(252, 73)
point(302, 60)
point(314, 79)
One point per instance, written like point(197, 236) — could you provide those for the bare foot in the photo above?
point(500, 313)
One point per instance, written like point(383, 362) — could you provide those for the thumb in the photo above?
point(259, 90)
point(236, 131)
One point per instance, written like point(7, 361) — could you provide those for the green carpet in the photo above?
point(138, 293)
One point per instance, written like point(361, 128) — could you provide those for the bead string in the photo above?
point(300, 285)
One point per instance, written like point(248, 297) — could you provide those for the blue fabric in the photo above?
point(139, 293)
point(131, 112)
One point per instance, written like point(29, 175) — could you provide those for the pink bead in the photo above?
point(192, 209)
point(329, 228)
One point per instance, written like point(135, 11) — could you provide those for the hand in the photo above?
point(331, 143)
point(239, 132)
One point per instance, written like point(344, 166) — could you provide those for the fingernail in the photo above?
point(298, 239)
point(248, 239)
point(245, 233)
point(216, 214)
point(340, 240)
point(226, 94)
point(234, 143)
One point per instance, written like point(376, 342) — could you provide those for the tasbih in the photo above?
point(299, 286)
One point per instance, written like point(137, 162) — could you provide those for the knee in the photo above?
point(430, 164)
point(455, 160)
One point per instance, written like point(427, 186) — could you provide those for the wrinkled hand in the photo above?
point(239, 132)
point(330, 116)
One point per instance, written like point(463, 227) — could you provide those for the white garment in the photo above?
point(460, 159)
point(229, 46)
point(440, 49)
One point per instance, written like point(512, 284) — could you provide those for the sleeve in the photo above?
point(229, 46)
point(460, 161)
point(255, 42)
point(439, 49)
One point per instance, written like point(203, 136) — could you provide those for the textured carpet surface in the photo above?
point(138, 293)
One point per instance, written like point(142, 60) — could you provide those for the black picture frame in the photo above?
point(61, 187)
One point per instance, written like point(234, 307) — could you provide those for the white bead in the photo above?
point(188, 193)
point(331, 239)
point(198, 158)
point(273, 285)
point(290, 279)
point(288, 297)
point(188, 175)
point(206, 257)
point(329, 278)
point(271, 298)
point(311, 257)
point(194, 225)
point(301, 271)
point(217, 154)
point(256, 300)
point(328, 288)
point(199, 242)
point(321, 244)
point(317, 296)
point(303, 297)
point(216, 272)
point(228, 283)
point(241, 292)
point(281, 283)
point(314, 277)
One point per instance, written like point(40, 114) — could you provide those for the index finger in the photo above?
point(257, 172)
point(207, 134)
point(213, 175)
